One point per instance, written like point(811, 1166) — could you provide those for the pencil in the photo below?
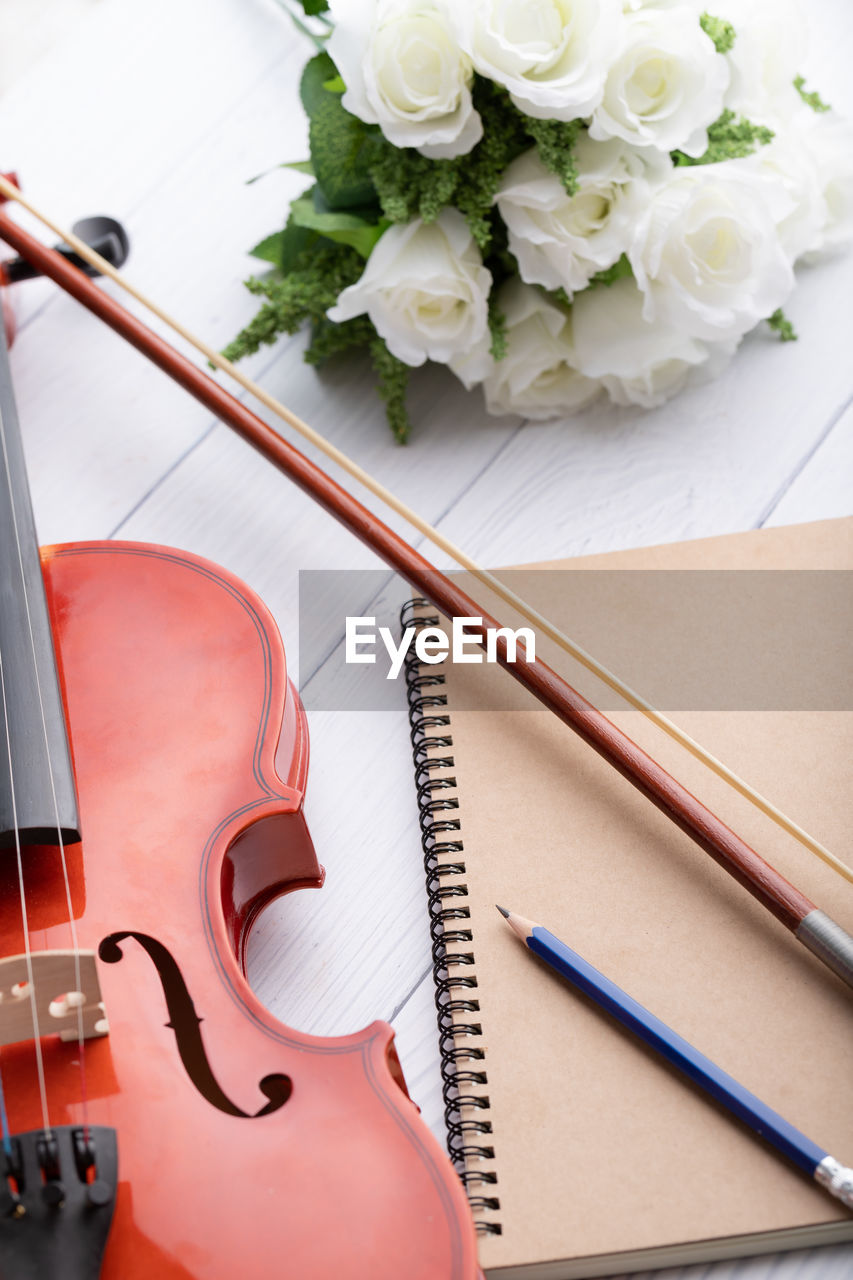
point(789, 1141)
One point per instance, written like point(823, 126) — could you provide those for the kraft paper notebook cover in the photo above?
point(586, 1154)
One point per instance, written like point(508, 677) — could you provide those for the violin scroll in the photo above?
point(105, 235)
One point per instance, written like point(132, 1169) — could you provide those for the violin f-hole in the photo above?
point(186, 1024)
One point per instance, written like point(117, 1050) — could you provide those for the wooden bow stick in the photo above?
point(544, 625)
point(816, 930)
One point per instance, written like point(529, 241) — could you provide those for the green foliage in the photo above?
point(722, 33)
point(555, 140)
point(357, 228)
point(500, 261)
point(312, 9)
point(318, 275)
point(329, 339)
point(284, 248)
point(312, 86)
point(729, 138)
point(780, 324)
point(813, 100)
point(393, 379)
point(411, 186)
point(408, 185)
point(480, 172)
point(497, 328)
point(336, 137)
point(619, 271)
point(298, 166)
point(270, 249)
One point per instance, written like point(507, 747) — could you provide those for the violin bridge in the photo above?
point(65, 996)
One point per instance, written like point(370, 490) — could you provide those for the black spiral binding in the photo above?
point(440, 836)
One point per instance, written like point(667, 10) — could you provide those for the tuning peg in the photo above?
point(105, 235)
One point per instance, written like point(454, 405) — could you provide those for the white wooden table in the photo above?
point(157, 113)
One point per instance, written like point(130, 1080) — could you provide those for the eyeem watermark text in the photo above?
point(433, 644)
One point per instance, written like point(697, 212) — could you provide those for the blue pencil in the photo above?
point(799, 1149)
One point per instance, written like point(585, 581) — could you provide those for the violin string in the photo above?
point(27, 950)
point(488, 579)
point(75, 944)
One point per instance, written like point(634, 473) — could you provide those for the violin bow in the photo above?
point(9, 190)
point(813, 927)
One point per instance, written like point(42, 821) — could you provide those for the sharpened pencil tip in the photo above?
point(503, 912)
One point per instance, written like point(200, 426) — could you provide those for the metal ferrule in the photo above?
point(837, 1179)
point(829, 942)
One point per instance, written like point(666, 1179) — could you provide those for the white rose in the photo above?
point(537, 377)
point(637, 361)
point(425, 289)
point(405, 72)
point(560, 240)
point(552, 55)
point(633, 6)
point(829, 141)
point(665, 86)
point(792, 186)
point(707, 255)
point(771, 39)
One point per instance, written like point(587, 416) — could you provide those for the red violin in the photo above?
point(158, 1121)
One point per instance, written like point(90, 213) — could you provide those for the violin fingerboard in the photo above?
point(37, 794)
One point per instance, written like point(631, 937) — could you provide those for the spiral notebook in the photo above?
point(583, 1154)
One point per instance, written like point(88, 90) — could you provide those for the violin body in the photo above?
point(245, 1148)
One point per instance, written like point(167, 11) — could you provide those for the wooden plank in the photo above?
point(124, 102)
point(824, 486)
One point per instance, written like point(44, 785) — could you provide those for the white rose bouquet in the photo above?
point(557, 199)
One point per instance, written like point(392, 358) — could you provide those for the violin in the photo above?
point(157, 1121)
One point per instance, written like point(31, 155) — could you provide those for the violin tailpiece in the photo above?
point(66, 994)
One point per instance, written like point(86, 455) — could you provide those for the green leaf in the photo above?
point(284, 248)
point(620, 270)
point(313, 7)
point(294, 243)
point(314, 77)
point(335, 86)
point(367, 213)
point(337, 143)
point(269, 249)
point(337, 139)
point(300, 166)
point(343, 227)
